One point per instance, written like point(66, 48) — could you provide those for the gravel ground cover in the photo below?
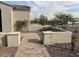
point(8, 51)
point(62, 50)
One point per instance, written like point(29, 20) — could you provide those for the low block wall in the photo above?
point(11, 39)
point(56, 37)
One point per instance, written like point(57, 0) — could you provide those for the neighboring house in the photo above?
point(9, 14)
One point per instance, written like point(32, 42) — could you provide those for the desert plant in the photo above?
point(73, 41)
point(64, 18)
point(53, 22)
point(20, 24)
point(34, 21)
point(43, 20)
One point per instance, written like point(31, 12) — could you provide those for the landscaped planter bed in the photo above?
point(50, 36)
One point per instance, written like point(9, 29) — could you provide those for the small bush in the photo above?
point(20, 24)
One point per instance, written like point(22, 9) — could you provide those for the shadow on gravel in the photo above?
point(61, 50)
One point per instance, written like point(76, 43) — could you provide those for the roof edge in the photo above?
point(13, 5)
point(5, 3)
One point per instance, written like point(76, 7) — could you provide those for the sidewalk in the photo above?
point(31, 47)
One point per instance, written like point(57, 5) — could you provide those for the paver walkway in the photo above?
point(31, 47)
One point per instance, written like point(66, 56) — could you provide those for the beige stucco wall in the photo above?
point(51, 38)
point(10, 16)
point(20, 15)
point(6, 17)
point(11, 39)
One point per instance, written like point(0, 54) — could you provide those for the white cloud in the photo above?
point(49, 8)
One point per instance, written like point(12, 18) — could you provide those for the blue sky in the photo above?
point(50, 8)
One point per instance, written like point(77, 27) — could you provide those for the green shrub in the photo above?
point(20, 24)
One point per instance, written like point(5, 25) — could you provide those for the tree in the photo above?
point(43, 20)
point(53, 22)
point(34, 21)
point(64, 18)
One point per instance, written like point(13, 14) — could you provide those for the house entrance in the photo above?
point(0, 22)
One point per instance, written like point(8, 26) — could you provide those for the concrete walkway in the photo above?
point(31, 46)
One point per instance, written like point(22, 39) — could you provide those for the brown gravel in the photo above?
point(7, 51)
point(62, 50)
point(57, 50)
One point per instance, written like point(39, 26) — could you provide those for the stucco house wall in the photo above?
point(6, 13)
point(10, 14)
